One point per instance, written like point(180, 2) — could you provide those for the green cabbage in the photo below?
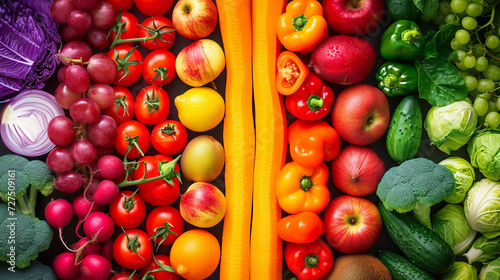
point(450, 223)
point(491, 271)
point(464, 176)
point(482, 207)
point(461, 270)
point(484, 152)
point(451, 126)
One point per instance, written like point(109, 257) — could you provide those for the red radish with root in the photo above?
point(65, 267)
point(58, 213)
point(86, 246)
point(98, 226)
point(106, 192)
point(110, 167)
point(82, 207)
point(96, 267)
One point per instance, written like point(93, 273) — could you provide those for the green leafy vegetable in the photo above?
point(461, 270)
point(490, 271)
point(450, 223)
point(464, 176)
point(428, 7)
point(483, 250)
point(439, 82)
point(484, 152)
point(482, 207)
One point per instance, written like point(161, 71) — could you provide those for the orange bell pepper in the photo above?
point(304, 227)
point(300, 189)
point(312, 142)
point(302, 26)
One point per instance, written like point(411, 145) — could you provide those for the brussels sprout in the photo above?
point(464, 176)
point(483, 250)
point(451, 126)
point(484, 152)
point(450, 223)
point(482, 207)
point(461, 270)
point(491, 271)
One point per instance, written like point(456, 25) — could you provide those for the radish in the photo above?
point(98, 226)
point(86, 246)
point(58, 214)
point(107, 191)
point(65, 267)
point(89, 189)
point(107, 249)
point(96, 267)
point(110, 167)
point(82, 207)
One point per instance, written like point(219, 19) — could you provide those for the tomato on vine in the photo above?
point(134, 133)
point(129, 61)
point(169, 137)
point(131, 27)
point(158, 192)
point(165, 37)
point(159, 67)
point(124, 106)
point(159, 267)
point(132, 249)
point(164, 224)
point(152, 105)
point(128, 210)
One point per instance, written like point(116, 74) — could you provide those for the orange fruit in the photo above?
point(195, 254)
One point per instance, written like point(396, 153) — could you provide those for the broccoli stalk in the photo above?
point(415, 186)
point(21, 180)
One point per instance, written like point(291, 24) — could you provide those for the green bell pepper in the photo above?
point(402, 40)
point(397, 79)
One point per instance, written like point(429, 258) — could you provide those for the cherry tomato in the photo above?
point(158, 192)
point(124, 5)
point(152, 105)
point(128, 210)
point(167, 32)
point(124, 106)
point(132, 130)
point(159, 67)
point(124, 275)
point(153, 7)
point(132, 249)
point(291, 73)
point(129, 61)
point(156, 227)
point(169, 137)
point(130, 29)
point(159, 275)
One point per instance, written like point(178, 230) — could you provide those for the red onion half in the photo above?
point(24, 122)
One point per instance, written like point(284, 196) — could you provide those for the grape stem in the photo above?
point(156, 33)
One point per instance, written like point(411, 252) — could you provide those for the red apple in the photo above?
point(343, 59)
point(360, 114)
point(194, 19)
point(202, 205)
point(357, 170)
point(353, 17)
point(200, 62)
point(353, 224)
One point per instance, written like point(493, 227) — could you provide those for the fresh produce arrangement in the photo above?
point(215, 139)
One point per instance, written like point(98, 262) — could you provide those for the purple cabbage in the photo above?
point(29, 43)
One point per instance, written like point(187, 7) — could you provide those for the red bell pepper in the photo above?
point(309, 261)
point(312, 101)
point(312, 142)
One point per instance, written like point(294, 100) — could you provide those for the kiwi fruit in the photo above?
point(359, 267)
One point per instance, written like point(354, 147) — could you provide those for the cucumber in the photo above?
point(422, 246)
point(401, 268)
point(405, 130)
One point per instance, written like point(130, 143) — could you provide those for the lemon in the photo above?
point(200, 109)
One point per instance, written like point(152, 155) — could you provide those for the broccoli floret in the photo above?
point(22, 179)
point(415, 186)
point(24, 237)
point(36, 271)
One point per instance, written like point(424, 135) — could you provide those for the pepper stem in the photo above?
point(410, 35)
point(315, 102)
point(311, 261)
point(391, 81)
point(306, 183)
point(299, 22)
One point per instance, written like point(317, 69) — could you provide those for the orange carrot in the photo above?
point(266, 248)
point(238, 138)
